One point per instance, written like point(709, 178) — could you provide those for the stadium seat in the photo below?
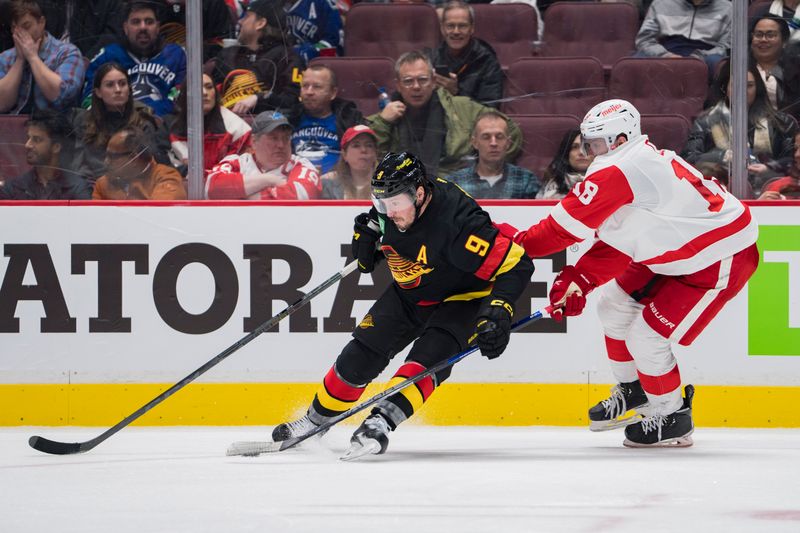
point(606, 31)
point(661, 85)
point(541, 136)
point(389, 30)
point(554, 85)
point(756, 6)
point(510, 29)
point(13, 136)
point(360, 78)
point(667, 131)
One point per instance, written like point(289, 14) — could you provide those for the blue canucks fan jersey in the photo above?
point(154, 81)
point(315, 24)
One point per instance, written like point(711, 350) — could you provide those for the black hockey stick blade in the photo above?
point(67, 448)
point(294, 441)
point(60, 448)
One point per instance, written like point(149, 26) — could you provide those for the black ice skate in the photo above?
point(371, 438)
point(664, 430)
point(609, 413)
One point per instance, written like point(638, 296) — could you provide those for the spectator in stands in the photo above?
point(46, 152)
point(112, 109)
point(785, 187)
point(316, 27)
point(465, 65)
point(785, 9)
point(217, 25)
point(567, 168)
point(134, 174)
point(270, 171)
point(156, 69)
point(224, 133)
point(770, 133)
point(768, 36)
point(40, 72)
point(263, 72)
point(351, 177)
point(687, 28)
point(320, 118)
point(430, 122)
point(88, 24)
point(491, 176)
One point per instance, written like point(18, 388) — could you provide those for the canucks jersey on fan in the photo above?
point(154, 81)
point(315, 24)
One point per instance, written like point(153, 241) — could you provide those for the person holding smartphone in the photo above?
point(465, 65)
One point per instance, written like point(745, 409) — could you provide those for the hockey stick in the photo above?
point(67, 448)
point(251, 448)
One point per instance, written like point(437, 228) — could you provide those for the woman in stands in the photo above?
point(224, 133)
point(350, 177)
point(112, 109)
point(770, 133)
point(768, 36)
point(567, 168)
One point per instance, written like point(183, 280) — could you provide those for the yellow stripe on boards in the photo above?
point(500, 404)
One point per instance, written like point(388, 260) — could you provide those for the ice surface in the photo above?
point(442, 479)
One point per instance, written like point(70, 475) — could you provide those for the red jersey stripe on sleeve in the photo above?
point(701, 242)
point(494, 258)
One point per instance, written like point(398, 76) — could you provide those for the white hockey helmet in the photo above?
point(610, 119)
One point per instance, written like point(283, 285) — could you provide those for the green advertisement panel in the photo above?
point(774, 294)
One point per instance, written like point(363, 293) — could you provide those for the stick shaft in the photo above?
point(60, 448)
point(290, 443)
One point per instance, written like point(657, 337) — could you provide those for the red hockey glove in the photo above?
point(568, 295)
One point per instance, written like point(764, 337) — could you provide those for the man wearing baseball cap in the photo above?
point(350, 178)
point(269, 171)
point(262, 72)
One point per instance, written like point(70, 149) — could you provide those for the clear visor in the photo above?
point(393, 204)
point(591, 147)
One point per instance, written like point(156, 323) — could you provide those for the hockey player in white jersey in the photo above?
point(675, 247)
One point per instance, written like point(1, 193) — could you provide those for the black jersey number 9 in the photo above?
point(477, 245)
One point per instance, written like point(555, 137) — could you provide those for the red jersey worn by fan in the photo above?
point(677, 245)
point(299, 180)
point(225, 134)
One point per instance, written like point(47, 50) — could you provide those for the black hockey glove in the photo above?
point(366, 234)
point(494, 326)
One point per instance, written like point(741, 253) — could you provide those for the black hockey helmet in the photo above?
point(398, 173)
point(395, 184)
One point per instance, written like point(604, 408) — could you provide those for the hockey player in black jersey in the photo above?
point(455, 281)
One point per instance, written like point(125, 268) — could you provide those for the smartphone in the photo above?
point(442, 70)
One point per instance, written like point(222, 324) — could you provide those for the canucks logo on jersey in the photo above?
point(408, 274)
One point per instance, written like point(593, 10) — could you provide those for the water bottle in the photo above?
point(383, 98)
